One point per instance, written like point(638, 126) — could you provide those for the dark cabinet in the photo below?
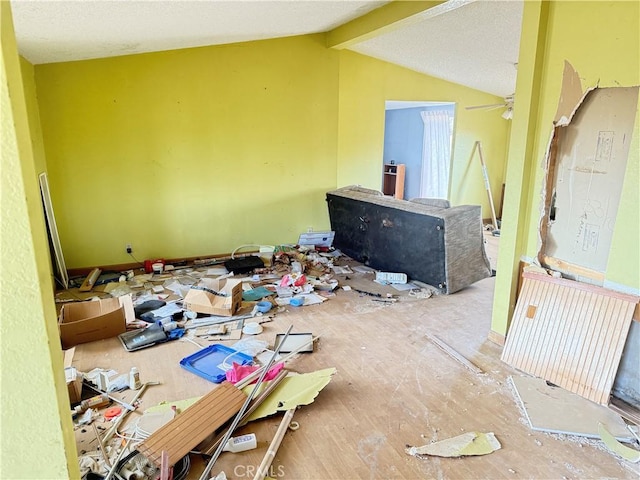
point(393, 180)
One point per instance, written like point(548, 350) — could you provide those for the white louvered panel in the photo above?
point(570, 334)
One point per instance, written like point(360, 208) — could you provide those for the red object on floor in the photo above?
point(148, 265)
point(112, 412)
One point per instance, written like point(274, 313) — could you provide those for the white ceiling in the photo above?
point(473, 43)
point(62, 30)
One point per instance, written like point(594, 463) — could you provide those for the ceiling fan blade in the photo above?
point(491, 106)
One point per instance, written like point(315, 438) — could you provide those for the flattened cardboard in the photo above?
point(84, 322)
point(225, 304)
point(74, 381)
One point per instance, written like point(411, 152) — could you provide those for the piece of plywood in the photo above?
point(576, 336)
point(556, 410)
point(455, 355)
point(626, 411)
point(196, 423)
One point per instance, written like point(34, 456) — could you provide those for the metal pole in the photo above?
point(239, 415)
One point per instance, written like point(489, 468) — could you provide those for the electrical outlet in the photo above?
point(129, 248)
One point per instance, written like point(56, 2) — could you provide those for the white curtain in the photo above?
point(436, 153)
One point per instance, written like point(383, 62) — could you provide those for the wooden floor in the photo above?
point(393, 388)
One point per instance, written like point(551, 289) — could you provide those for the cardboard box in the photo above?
point(215, 297)
point(84, 322)
point(73, 378)
point(74, 384)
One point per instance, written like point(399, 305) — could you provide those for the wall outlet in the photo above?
point(129, 248)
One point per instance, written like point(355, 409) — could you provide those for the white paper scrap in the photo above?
point(215, 271)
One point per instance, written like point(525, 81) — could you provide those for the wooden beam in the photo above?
point(386, 19)
point(192, 426)
point(465, 362)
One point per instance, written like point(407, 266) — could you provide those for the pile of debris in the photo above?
point(215, 302)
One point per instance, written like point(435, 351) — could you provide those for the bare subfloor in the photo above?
point(393, 388)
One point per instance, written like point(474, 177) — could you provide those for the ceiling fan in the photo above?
point(507, 105)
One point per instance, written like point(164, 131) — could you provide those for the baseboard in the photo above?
point(496, 338)
point(122, 267)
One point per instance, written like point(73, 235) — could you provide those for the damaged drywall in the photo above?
point(585, 167)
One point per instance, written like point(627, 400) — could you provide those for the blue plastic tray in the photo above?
point(209, 362)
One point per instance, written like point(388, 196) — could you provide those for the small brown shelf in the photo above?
point(393, 180)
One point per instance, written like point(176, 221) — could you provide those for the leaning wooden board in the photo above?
point(196, 423)
point(569, 333)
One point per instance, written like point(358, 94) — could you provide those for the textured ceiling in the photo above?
point(475, 45)
point(59, 31)
point(470, 42)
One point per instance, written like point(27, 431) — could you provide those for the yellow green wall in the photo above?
point(601, 41)
point(198, 151)
point(607, 59)
point(365, 84)
point(190, 152)
point(34, 416)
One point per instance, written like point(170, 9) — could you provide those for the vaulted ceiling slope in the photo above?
point(470, 42)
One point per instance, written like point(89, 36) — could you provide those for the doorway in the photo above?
point(419, 136)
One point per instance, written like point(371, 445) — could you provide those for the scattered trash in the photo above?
point(86, 418)
point(134, 379)
point(165, 304)
point(386, 278)
point(300, 342)
point(241, 443)
point(98, 401)
point(212, 362)
point(252, 328)
point(264, 307)
point(293, 426)
point(470, 443)
point(112, 412)
point(239, 372)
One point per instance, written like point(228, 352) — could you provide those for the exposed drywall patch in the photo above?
point(585, 167)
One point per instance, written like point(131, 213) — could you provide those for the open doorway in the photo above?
point(419, 137)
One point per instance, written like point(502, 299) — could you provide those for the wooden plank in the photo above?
point(274, 445)
point(576, 337)
point(582, 286)
point(626, 411)
point(90, 280)
point(571, 268)
point(208, 448)
point(455, 355)
point(191, 427)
